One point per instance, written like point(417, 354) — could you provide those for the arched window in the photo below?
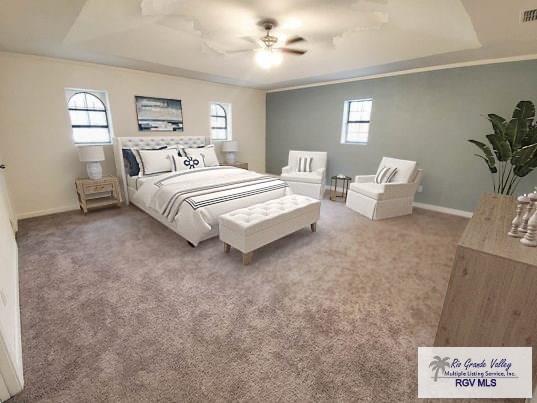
point(220, 121)
point(89, 118)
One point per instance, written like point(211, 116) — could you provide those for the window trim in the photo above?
point(346, 116)
point(226, 108)
point(105, 110)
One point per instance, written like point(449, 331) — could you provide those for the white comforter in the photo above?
point(193, 200)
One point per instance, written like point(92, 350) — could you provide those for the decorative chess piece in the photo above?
point(530, 239)
point(522, 203)
point(528, 213)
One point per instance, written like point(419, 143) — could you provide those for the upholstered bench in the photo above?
point(250, 228)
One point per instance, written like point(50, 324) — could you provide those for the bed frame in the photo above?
point(149, 142)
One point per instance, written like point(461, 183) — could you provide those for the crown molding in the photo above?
point(410, 71)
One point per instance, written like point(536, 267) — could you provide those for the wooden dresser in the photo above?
point(492, 293)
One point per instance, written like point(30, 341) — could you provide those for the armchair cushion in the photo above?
point(371, 190)
point(365, 178)
point(406, 170)
point(307, 177)
point(384, 191)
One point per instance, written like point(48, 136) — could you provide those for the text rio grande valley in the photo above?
point(471, 373)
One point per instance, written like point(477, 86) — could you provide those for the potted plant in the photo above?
point(513, 145)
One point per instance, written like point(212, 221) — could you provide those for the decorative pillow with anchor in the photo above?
point(185, 163)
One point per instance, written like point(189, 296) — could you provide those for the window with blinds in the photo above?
point(220, 121)
point(356, 121)
point(89, 117)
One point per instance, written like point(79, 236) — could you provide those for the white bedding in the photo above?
point(131, 181)
point(136, 182)
point(193, 200)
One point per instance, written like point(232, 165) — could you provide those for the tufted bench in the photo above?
point(250, 228)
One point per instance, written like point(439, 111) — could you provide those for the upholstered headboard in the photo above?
point(150, 142)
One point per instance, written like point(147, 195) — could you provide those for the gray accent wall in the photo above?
point(426, 117)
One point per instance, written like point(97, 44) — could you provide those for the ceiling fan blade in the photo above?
point(250, 39)
point(293, 51)
point(239, 51)
point(294, 39)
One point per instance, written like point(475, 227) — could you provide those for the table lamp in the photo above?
point(230, 148)
point(92, 155)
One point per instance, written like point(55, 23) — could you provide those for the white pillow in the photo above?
point(304, 164)
point(186, 163)
point(385, 175)
point(155, 161)
point(207, 154)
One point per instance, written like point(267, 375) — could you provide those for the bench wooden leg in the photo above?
point(227, 247)
point(247, 258)
point(313, 227)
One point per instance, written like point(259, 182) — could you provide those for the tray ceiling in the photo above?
point(198, 39)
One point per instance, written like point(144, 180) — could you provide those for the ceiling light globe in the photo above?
point(263, 59)
point(277, 57)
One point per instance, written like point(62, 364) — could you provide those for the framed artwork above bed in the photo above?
point(159, 114)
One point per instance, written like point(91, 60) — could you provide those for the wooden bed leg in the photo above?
point(313, 227)
point(227, 247)
point(247, 258)
point(191, 244)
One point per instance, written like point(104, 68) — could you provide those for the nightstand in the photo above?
point(94, 193)
point(243, 165)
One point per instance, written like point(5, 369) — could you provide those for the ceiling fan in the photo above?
point(270, 54)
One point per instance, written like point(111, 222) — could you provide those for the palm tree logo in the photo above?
point(439, 364)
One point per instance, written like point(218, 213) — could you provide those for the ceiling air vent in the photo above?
point(529, 15)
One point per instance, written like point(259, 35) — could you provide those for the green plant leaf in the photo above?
point(523, 155)
point(498, 123)
point(487, 151)
point(492, 168)
point(530, 137)
point(533, 162)
point(524, 110)
point(514, 143)
point(501, 146)
point(516, 130)
point(522, 170)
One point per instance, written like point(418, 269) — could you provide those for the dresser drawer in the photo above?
point(105, 187)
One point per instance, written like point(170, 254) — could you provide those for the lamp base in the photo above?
point(231, 157)
point(94, 169)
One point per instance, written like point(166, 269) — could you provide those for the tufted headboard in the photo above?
point(150, 142)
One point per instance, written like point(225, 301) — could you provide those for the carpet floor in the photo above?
point(116, 307)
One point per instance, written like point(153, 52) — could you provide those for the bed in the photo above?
point(190, 202)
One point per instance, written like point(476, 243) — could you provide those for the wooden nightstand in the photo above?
point(98, 192)
point(243, 165)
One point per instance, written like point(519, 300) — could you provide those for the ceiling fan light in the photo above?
point(263, 58)
point(277, 57)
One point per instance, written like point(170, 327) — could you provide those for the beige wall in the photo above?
point(35, 133)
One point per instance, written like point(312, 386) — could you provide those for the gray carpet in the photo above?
point(115, 307)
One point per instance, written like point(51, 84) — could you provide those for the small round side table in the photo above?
point(345, 182)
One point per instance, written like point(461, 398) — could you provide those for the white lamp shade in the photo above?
point(91, 153)
point(230, 146)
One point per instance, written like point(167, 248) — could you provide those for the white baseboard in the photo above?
point(425, 206)
point(445, 210)
point(39, 213)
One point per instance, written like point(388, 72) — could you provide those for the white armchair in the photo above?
point(306, 183)
point(385, 200)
